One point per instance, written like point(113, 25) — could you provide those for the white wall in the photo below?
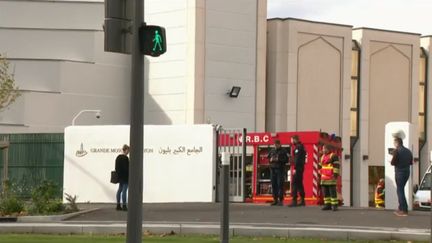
point(406, 132)
point(261, 67)
point(166, 76)
point(308, 76)
point(179, 162)
point(388, 78)
point(230, 60)
point(308, 81)
point(56, 52)
point(40, 14)
point(425, 156)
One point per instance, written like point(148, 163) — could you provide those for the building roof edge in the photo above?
point(383, 30)
point(309, 21)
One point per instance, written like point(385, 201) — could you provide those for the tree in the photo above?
point(8, 90)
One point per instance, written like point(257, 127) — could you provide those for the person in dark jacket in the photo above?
point(299, 157)
point(278, 158)
point(122, 169)
point(402, 160)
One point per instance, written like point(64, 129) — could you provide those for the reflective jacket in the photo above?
point(379, 196)
point(329, 169)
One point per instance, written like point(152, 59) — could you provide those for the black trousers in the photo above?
point(277, 181)
point(297, 185)
point(330, 194)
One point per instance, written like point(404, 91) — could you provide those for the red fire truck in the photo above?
point(257, 171)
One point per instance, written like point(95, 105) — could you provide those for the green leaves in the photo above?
point(8, 90)
point(10, 204)
point(46, 199)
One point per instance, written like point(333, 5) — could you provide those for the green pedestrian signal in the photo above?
point(152, 40)
point(157, 41)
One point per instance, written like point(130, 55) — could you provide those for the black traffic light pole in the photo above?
point(134, 219)
point(126, 32)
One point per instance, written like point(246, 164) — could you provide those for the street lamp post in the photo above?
point(224, 225)
point(97, 112)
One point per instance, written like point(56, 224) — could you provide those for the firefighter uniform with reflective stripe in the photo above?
point(380, 194)
point(329, 171)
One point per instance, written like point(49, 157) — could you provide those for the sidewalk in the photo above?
point(245, 219)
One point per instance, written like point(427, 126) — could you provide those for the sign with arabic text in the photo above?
point(171, 153)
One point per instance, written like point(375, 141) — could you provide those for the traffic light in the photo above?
point(152, 40)
point(118, 19)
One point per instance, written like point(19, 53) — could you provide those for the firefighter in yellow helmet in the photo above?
point(329, 171)
point(380, 194)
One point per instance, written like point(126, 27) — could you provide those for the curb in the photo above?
point(328, 232)
point(52, 218)
point(8, 219)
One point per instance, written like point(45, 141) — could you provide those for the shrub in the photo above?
point(10, 204)
point(45, 199)
point(71, 206)
point(9, 92)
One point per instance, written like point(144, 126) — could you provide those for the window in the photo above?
point(422, 97)
point(426, 183)
point(355, 84)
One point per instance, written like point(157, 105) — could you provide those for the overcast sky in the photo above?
point(401, 15)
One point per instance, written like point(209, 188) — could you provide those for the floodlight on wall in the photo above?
point(234, 92)
point(96, 112)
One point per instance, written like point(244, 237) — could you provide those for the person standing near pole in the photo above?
point(122, 169)
point(329, 171)
point(402, 160)
point(278, 157)
point(299, 162)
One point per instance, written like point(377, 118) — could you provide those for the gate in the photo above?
point(234, 142)
point(28, 159)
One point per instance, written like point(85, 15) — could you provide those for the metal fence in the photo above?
point(33, 158)
point(233, 141)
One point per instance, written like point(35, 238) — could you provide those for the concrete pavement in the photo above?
point(245, 219)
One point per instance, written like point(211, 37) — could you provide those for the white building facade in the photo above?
point(56, 51)
point(425, 106)
point(389, 74)
point(308, 81)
